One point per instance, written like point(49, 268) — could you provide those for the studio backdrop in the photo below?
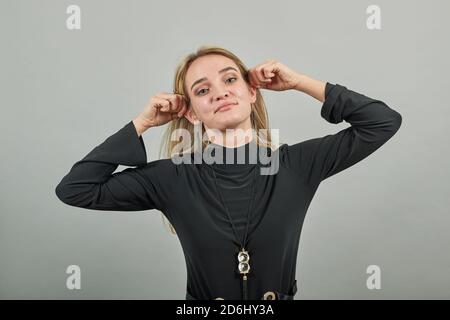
point(75, 72)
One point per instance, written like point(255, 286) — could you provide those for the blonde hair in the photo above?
point(258, 116)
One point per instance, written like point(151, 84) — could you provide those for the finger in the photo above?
point(171, 99)
point(161, 104)
point(259, 75)
point(183, 107)
point(177, 104)
point(167, 106)
point(257, 79)
point(180, 104)
point(182, 111)
point(174, 103)
point(161, 101)
point(268, 71)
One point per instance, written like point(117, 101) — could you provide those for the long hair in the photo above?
point(258, 115)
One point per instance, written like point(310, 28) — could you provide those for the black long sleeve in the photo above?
point(373, 123)
point(92, 184)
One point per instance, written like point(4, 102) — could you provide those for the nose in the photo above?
point(221, 91)
point(224, 95)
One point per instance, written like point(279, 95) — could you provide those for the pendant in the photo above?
point(243, 259)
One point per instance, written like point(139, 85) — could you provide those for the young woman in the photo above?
point(239, 228)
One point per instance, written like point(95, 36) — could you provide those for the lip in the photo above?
point(225, 106)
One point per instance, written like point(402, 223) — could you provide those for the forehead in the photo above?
point(208, 66)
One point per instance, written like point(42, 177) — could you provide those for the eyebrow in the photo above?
point(221, 71)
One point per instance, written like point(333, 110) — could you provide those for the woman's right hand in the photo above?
point(162, 108)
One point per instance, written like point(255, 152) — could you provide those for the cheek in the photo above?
point(202, 108)
point(243, 93)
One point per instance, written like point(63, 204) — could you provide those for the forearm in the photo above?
point(314, 88)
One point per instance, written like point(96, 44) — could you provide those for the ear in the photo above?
point(252, 91)
point(191, 116)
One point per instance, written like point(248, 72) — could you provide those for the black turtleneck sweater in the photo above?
point(193, 200)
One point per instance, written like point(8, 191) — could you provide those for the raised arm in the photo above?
point(92, 184)
point(373, 123)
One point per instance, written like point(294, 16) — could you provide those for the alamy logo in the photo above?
point(73, 22)
point(374, 20)
point(374, 280)
point(266, 156)
point(74, 280)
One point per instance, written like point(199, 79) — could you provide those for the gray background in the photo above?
point(63, 92)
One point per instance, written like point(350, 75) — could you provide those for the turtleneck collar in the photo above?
point(247, 153)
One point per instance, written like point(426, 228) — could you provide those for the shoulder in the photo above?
point(162, 167)
point(175, 165)
point(294, 156)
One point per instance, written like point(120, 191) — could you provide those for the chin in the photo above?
point(229, 124)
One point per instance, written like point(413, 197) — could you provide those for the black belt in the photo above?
point(269, 295)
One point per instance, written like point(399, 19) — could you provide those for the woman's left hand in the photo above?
point(273, 75)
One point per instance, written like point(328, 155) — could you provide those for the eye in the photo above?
point(199, 91)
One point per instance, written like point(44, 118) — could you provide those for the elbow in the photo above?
point(391, 126)
point(61, 194)
point(392, 119)
point(73, 196)
point(66, 195)
point(397, 121)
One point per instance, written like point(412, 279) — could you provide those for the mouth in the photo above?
point(225, 107)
